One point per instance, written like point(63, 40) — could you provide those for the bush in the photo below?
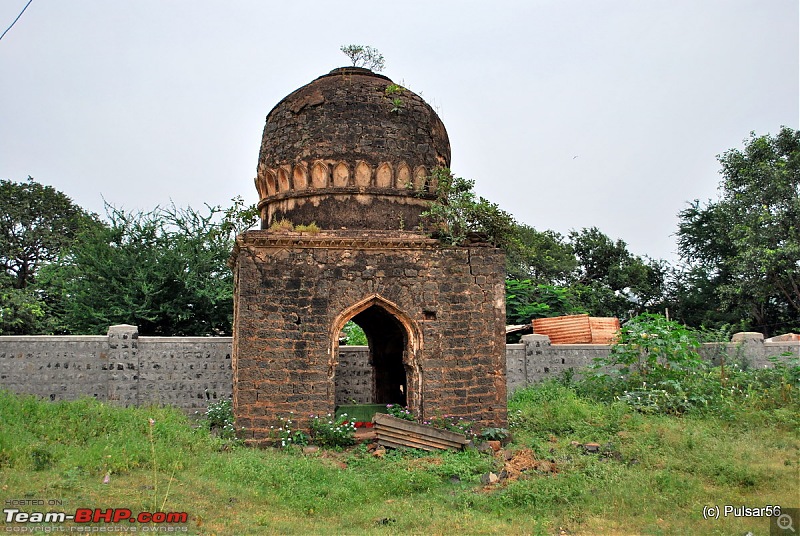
point(654, 368)
point(330, 431)
point(287, 435)
point(219, 418)
point(401, 412)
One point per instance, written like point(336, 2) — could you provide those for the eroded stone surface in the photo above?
point(342, 136)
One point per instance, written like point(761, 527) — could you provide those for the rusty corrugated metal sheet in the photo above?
point(604, 329)
point(572, 329)
point(577, 329)
point(784, 338)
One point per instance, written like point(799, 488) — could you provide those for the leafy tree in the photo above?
point(526, 300)
point(364, 56)
point(354, 334)
point(21, 310)
point(164, 271)
point(611, 281)
point(457, 215)
point(540, 256)
point(744, 248)
point(36, 223)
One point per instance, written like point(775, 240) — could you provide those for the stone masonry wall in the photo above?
point(295, 289)
point(121, 367)
point(354, 375)
point(190, 371)
point(535, 359)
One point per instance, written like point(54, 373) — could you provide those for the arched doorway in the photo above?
point(388, 372)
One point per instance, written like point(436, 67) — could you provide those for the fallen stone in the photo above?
point(484, 446)
point(489, 478)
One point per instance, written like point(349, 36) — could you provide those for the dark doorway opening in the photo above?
point(387, 340)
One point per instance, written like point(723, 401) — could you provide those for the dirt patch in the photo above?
point(524, 461)
point(517, 465)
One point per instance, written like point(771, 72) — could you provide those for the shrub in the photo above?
point(654, 368)
point(219, 418)
point(458, 425)
point(330, 431)
point(286, 435)
point(401, 412)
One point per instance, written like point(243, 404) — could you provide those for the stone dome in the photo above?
point(350, 150)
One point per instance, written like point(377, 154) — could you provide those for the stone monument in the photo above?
point(353, 153)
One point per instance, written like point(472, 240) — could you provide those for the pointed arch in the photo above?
point(261, 186)
point(419, 178)
point(411, 350)
point(272, 182)
point(283, 179)
point(363, 174)
point(383, 177)
point(300, 176)
point(320, 174)
point(403, 180)
point(341, 175)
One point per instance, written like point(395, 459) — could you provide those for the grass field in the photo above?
point(653, 474)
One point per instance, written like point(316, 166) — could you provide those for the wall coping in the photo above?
point(53, 338)
point(581, 346)
point(183, 340)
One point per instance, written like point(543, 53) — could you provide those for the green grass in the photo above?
point(653, 474)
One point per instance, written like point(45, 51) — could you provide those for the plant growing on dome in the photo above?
point(397, 105)
point(457, 213)
point(394, 89)
point(364, 56)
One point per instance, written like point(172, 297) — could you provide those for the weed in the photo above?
point(286, 435)
point(401, 412)
point(332, 431)
point(397, 105)
point(459, 425)
point(311, 228)
point(394, 89)
point(493, 434)
point(219, 419)
point(282, 225)
point(41, 458)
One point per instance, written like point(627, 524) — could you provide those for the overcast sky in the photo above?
point(567, 113)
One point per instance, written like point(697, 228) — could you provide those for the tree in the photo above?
point(526, 300)
point(457, 215)
point(364, 56)
point(744, 248)
point(541, 256)
point(22, 312)
point(164, 271)
point(36, 223)
point(610, 280)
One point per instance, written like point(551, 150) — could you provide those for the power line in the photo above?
point(15, 20)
